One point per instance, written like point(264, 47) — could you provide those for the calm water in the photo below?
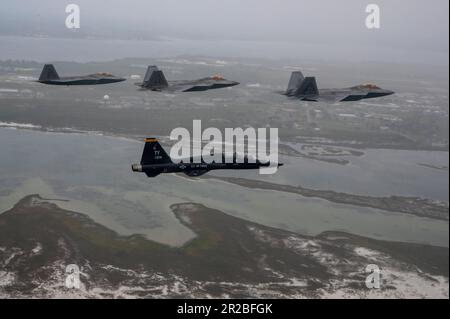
point(94, 173)
point(377, 173)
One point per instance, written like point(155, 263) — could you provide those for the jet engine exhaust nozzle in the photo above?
point(136, 168)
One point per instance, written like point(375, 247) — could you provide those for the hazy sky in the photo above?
point(414, 25)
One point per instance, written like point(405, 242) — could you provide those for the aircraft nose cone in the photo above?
point(280, 164)
point(387, 92)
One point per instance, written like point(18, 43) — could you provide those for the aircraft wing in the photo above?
point(338, 97)
point(190, 88)
point(331, 98)
point(195, 173)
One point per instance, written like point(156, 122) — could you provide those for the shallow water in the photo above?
point(94, 173)
point(380, 172)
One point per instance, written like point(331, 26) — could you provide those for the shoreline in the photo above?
point(328, 265)
point(414, 205)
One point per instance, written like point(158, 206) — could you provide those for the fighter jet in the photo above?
point(305, 89)
point(155, 80)
point(50, 76)
point(155, 161)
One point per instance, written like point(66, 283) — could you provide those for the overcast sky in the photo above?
point(415, 25)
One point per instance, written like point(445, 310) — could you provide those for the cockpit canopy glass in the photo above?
point(217, 77)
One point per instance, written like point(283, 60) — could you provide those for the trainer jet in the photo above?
point(155, 161)
point(155, 80)
point(50, 76)
point(305, 89)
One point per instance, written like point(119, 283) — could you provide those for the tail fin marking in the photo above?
point(154, 153)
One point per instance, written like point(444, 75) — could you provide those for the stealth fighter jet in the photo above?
point(305, 89)
point(155, 161)
point(50, 76)
point(156, 81)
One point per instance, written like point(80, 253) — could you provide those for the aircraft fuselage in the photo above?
point(194, 169)
point(346, 95)
point(83, 81)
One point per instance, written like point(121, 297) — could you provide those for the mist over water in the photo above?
point(85, 50)
point(410, 32)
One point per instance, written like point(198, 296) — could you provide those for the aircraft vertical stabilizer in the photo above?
point(48, 73)
point(154, 153)
point(295, 82)
point(308, 87)
point(154, 79)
